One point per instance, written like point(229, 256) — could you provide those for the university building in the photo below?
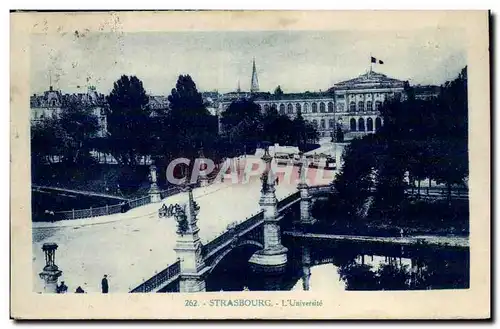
point(353, 104)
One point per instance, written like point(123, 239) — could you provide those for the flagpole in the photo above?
point(371, 64)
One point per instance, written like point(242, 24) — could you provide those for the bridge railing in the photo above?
point(169, 192)
point(113, 209)
point(229, 234)
point(320, 189)
point(292, 197)
point(159, 279)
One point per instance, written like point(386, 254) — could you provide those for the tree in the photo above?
point(46, 141)
point(300, 129)
point(354, 181)
point(129, 120)
point(339, 134)
point(190, 124)
point(278, 91)
point(79, 125)
point(242, 121)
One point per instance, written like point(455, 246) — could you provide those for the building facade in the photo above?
point(358, 101)
point(353, 104)
point(52, 102)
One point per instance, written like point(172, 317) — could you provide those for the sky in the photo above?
point(296, 60)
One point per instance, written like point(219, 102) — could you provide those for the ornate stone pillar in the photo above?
point(203, 167)
point(51, 272)
point(154, 191)
point(274, 254)
point(305, 198)
point(189, 248)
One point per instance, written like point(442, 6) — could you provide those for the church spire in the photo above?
point(255, 82)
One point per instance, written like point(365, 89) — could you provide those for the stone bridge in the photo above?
point(262, 231)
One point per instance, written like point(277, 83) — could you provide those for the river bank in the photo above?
point(449, 241)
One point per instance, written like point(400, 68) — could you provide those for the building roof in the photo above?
point(158, 102)
point(267, 96)
point(369, 80)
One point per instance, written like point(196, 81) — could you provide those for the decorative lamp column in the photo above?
point(203, 167)
point(305, 199)
point(154, 191)
point(306, 267)
point(274, 253)
point(51, 272)
point(189, 247)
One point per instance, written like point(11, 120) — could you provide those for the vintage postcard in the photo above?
point(250, 165)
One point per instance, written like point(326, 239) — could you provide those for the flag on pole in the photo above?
point(374, 60)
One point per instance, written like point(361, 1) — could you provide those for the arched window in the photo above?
point(352, 107)
point(282, 108)
point(369, 124)
point(369, 106)
point(378, 105)
point(323, 124)
point(274, 107)
point(306, 107)
point(331, 123)
point(289, 109)
point(266, 107)
point(361, 124)
point(322, 107)
point(330, 106)
point(53, 102)
point(298, 108)
point(315, 123)
point(378, 123)
point(314, 108)
point(361, 106)
point(353, 124)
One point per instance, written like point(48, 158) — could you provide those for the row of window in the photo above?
point(290, 109)
point(322, 123)
point(360, 124)
point(362, 107)
point(324, 108)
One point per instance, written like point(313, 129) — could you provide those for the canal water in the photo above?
point(333, 266)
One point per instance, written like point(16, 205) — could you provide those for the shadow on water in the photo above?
point(348, 266)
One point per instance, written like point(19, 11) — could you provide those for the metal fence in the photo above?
point(169, 192)
point(168, 274)
point(113, 209)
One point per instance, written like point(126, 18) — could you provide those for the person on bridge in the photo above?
point(62, 288)
point(79, 290)
point(104, 284)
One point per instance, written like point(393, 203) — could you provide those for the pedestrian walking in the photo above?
point(104, 284)
point(62, 288)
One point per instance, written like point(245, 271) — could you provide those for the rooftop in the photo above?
point(370, 79)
